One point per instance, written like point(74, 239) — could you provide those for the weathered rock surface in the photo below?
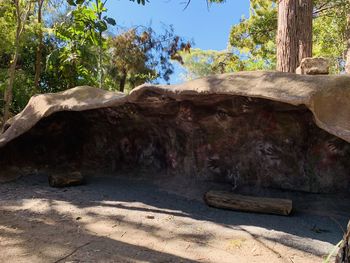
point(313, 66)
point(267, 129)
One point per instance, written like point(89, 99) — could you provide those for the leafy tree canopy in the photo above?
point(77, 49)
point(252, 42)
point(140, 54)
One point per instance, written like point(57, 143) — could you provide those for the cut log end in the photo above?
point(228, 200)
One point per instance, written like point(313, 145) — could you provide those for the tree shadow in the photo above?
point(26, 245)
point(121, 204)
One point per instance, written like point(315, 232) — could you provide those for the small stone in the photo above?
point(66, 179)
point(313, 66)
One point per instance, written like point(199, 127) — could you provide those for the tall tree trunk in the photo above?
point(347, 51)
point(21, 16)
point(38, 63)
point(100, 73)
point(9, 89)
point(123, 81)
point(304, 29)
point(294, 34)
point(287, 48)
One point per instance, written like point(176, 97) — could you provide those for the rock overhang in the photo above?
point(208, 106)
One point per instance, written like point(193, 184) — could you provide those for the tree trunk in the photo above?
point(100, 73)
point(38, 63)
point(294, 33)
point(21, 17)
point(304, 29)
point(123, 81)
point(347, 51)
point(9, 89)
point(287, 49)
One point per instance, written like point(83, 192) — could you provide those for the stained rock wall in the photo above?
point(208, 131)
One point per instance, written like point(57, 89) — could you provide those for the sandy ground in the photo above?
point(115, 219)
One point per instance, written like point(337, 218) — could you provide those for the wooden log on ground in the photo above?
point(66, 179)
point(228, 200)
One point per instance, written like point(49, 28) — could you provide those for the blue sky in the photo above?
point(208, 28)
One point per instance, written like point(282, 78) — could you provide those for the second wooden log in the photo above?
point(228, 200)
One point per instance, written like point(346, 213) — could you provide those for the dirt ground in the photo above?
point(118, 219)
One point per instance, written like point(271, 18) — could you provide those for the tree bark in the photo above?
point(9, 89)
point(287, 49)
point(122, 81)
point(294, 33)
point(38, 62)
point(347, 51)
point(100, 73)
point(304, 29)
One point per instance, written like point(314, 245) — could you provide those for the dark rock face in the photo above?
point(234, 139)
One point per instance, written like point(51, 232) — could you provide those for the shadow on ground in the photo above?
point(118, 219)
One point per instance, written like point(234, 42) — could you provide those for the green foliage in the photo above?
point(78, 36)
point(140, 55)
point(254, 37)
point(76, 50)
point(201, 63)
point(7, 37)
point(7, 24)
point(82, 47)
point(330, 27)
point(252, 44)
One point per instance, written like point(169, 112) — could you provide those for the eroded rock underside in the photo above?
point(238, 140)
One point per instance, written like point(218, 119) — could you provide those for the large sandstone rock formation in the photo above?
point(254, 128)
